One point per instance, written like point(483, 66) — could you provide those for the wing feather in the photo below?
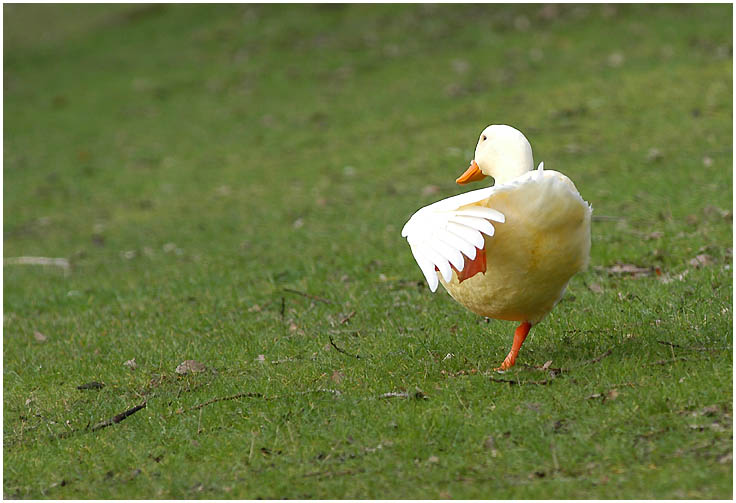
point(439, 262)
point(467, 234)
point(427, 268)
point(466, 247)
point(476, 223)
point(487, 213)
point(441, 233)
point(449, 252)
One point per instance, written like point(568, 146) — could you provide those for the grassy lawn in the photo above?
point(228, 185)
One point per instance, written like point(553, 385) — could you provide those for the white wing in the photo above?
point(441, 233)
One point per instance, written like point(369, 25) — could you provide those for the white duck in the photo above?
point(519, 269)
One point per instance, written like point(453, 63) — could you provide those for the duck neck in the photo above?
point(511, 167)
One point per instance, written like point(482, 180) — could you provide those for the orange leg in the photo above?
point(519, 336)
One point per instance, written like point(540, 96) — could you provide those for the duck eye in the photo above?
point(484, 137)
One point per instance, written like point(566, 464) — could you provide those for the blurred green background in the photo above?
point(193, 163)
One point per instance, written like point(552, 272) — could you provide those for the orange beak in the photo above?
point(472, 174)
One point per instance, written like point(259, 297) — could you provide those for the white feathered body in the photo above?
point(542, 240)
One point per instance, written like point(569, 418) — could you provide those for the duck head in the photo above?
point(502, 152)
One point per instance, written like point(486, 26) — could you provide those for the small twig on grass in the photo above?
point(512, 382)
point(332, 474)
point(260, 395)
point(347, 317)
point(119, 417)
point(691, 348)
point(318, 390)
point(308, 295)
point(91, 385)
point(340, 349)
point(545, 369)
point(598, 358)
point(58, 262)
point(580, 331)
point(224, 398)
point(671, 360)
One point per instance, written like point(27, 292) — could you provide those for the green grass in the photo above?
point(193, 163)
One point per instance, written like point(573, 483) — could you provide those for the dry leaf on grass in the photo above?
point(711, 211)
point(418, 394)
point(615, 60)
point(190, 367)
point(283, 360)
point(608, 396)
point(131, 364)
point(709, 410)
point(715, 426)
point(632, 270)
point(595, 288)
point(39, 336)
point(395, 394)
point(701, 260)
point(654, 154)
point(679, 277)
point(653, 235)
